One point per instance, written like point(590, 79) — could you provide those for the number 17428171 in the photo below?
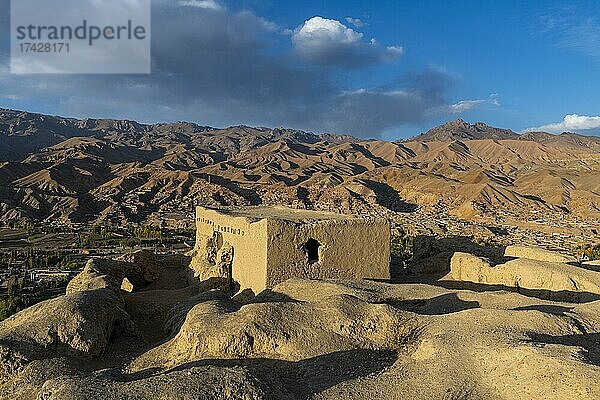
point(44, 47)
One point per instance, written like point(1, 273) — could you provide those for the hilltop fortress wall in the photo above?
point(259, 247)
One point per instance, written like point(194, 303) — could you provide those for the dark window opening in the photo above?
point(312, 250)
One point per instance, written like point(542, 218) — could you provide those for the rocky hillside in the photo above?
point(114, 171)
point(461, 130)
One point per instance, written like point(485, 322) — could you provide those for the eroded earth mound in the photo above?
point(171, 338)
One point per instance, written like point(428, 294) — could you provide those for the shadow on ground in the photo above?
point(389, 198)
point(298, 379)
point(444, 304)
point(431, 256)
point(588, 342)
point(562, 296)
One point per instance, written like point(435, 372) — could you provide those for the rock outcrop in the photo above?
point(78, 324)
point(99, 274)
point(552, 279)
point(539, 254)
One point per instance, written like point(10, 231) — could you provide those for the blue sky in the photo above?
point(386, 69)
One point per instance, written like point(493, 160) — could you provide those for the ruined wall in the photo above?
point(269, 246)
point(247, 238)
point(349, 249)
point(551, 280)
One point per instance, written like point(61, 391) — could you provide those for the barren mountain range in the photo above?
point(115, 171)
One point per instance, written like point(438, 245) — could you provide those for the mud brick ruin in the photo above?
point(259, 247)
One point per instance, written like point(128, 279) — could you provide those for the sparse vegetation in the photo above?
point(40, 259)
point(487, 241)
point(103, 237)
point(11, 305)
point(401, 249)
point(18, 298)
point(15, 301)
point(589, 252)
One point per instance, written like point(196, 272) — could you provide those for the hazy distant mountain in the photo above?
point(461, 130)
point(115, 171)
point(565, 138)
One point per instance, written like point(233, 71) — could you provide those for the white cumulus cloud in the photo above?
point(319, 31)
point(329, 42)
point(570, 123)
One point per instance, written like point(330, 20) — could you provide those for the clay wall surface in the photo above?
point(247, 237)
point(349, 249)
